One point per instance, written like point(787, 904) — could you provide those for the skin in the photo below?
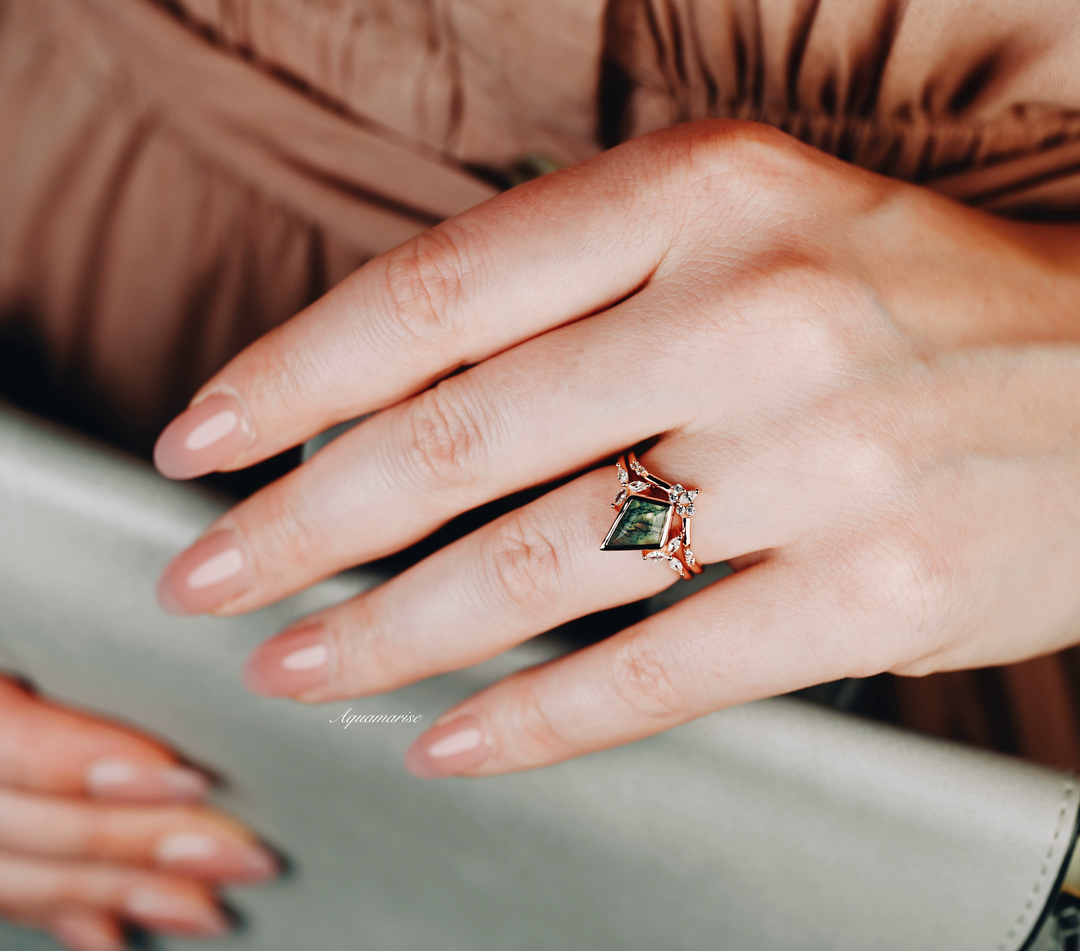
point(876, 389)
point(73, 858)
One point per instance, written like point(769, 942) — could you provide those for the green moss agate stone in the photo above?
point(640, 525)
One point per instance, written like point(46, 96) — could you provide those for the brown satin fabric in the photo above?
point(178, 177)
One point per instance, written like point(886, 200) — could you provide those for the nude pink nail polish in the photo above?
point(87, 932)
point(206, 856)
point(203, 438)
point(212, 571)
point(174, 912)
point(122, 780)
point(291, 662)
point(449, 749)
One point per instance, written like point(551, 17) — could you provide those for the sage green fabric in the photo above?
point(776, 826)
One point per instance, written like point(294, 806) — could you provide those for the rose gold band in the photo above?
point(654, 518)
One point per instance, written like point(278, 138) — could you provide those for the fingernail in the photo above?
point(449, 749)
point(213, 570)
point(84, 932)
point(128, 781)
point(203, 438)
point(196, 853)
point(174, 912)
point(291, 663)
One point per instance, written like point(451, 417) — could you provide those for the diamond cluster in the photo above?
point(683, 500)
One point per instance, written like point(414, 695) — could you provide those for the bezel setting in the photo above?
point(678, 503)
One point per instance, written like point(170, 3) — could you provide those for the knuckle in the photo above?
point(534, 729)
point(524, 562)
point(289, 531)
point(424, 281)
point(446, 438)
point(735, 158)
point(888, 588)
point(642, 681)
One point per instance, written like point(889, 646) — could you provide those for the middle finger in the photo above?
point(543, 410)
point(179, 839)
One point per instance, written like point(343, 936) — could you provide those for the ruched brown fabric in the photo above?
point(979, 99)
point(177, 177)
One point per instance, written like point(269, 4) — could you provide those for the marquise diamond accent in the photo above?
point(644, 521)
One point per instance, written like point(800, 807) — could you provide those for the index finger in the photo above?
point(51, 749)
point(533, 258)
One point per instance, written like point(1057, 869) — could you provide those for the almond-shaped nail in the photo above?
point(87, 931)
point(291, 663)
point(203, 438)
point(449, 749)
point(212, 571)
point(208, 856)
point(123, 780)
point(174, 912)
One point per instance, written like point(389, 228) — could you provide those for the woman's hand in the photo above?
point(876, 390)
point(100, 826)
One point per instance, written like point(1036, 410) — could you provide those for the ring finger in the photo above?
point(36, 891)
point(525, 573)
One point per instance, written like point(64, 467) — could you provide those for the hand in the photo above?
point(100, 826)
point(877, 391)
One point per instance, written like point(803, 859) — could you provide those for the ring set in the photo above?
point(649, 511)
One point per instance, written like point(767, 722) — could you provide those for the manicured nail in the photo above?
point(449, 749)
point(213, 570)
point(174, 912)
point(124, 780)
point(196, 853)
point(291, 662)
point(203, 438)
point(86, 932)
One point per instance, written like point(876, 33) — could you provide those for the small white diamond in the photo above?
point(639, 468)
point(624, 476)
point(638, 486)
point(689, 556)
point(675, 566)
point(693, 493)
point(656, 554)
point(673, 545)
point(685, 510)
point(619, 498)
point(674, 492)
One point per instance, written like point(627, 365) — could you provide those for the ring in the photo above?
point(648, 509)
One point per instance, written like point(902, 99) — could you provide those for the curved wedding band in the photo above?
point(654, 518)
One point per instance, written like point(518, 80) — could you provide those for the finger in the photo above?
point(87, 931)
point(755, 634)
point(521, 418)
point(540, 255)
point(48, 748)
point(35, 891)
point(525, 573)
point(179, 839)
